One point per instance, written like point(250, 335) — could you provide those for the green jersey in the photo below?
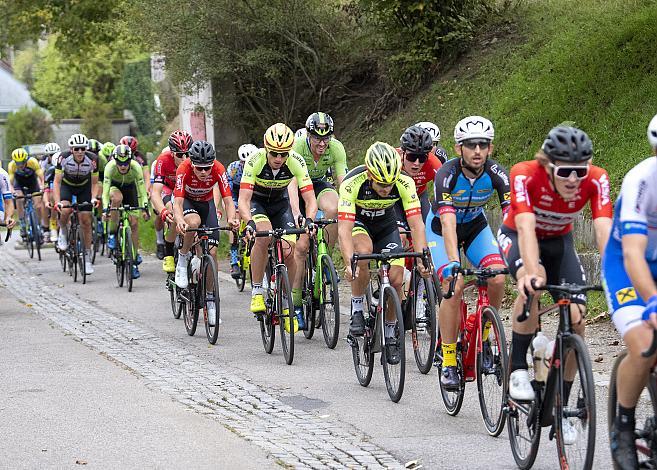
point(113, 178)
point(334, 157)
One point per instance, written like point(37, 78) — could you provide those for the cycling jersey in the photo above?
point(269, 184)
point(5, 189)
point(456, 193)
point(29, 170)
point(77, 174)
point(165, 171)
point(115, 179)
point(426, 174)
point(189, 186)
point(440, 153)
point(532, 191)
point(334, 157)
point(102, 163)
point(234, 173)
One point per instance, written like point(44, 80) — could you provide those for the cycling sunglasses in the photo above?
point(564, 172)
point(203, 168)
point(317, 138)
point(472, 144)
point(414, 157)
point(78, 149)
point(279, 154)
point(180, 154)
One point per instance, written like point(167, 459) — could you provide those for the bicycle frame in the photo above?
point(322, 250)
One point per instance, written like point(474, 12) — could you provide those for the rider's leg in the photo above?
point(116, 199)
point(327, 201)
point(362, 244)
point(85, 225)
point(300, 253)
point(134, 227)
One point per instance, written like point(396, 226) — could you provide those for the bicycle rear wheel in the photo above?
point(307, 291)
point(266, 319)
point(329, 307)
point(283, 298)
point(423, 318)
point(190, 311)
point(394, 372)
point(212, 331)
point(452, 399)
point(578, 409)
point(492, 365)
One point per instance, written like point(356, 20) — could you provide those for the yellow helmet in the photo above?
point(19, 155)
point(383, 163)
point(279, 138)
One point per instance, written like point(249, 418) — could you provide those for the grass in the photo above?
point(147, 240)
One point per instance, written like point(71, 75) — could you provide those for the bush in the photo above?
point(97, 122)
point(27, 126)
point(138, 95)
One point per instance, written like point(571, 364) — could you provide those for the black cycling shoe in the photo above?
point(449, 378)
point(623, 448)
point(160, 251)
point(487, 359)
point(392, 351)
point(235, 271)
point(357, 326)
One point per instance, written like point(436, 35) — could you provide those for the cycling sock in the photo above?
point(53, 224)
point(390, 329)
point(449, 354)
point(520, 344)
point(159, 235)
point(567, 386)
point(168, 248)
point(233, 258)
point(486, 332)
point(296, 297)
point(357, 304)
point(625, 418)
point(256, 289)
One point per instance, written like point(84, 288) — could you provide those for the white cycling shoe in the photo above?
point(520, 388)
point(181, 273)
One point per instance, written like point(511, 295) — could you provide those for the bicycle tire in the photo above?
point(587, 414)
point(62, 259)
point(394, 374)
point(523, 416)
point(284, 292)
point(212, 332)
point(190, 312)
point(36, 233)
point(95, 238)
point(173, 295)
point(82, 257)
point(266, 320)
point(329, 306)
point(75, 253)
point(424, 337)
point(29, 239)
point(453, 400)
point(493, 415)
point(118, 265)
point(241, 253)
point(129, 258)
point(307, 291)
point(361, 346)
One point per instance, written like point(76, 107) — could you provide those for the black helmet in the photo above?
point(201, 153)
point(416, 140)
point(319, 124)
point(568, 144)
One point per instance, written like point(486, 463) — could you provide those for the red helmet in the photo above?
point(130, 141)
point(180, 141)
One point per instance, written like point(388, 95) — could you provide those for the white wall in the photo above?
point(189, 102)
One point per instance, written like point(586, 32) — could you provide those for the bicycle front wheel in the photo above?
point(29, 239)
point(329, 306)
point(62, 259)
point(36, 233)
point(394, 366)
point(423, 328)
point(452, 399)
point(190, 311)
point(129, 258)
point(95, 238)
point(574, 412)
point(308, 301)
point(210, 295)
point(492, 363)
point(285, 312)
point(82, 257)
point(266, 319)
point(361, 346)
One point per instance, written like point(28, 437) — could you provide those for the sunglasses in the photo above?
point(79, 149)
point(564, 172)
point(279, 154)
point(326, 138)
point(384, 185)
point(180, 154)
point(472, 144)
point(126, 163)
point(203, 168)
point(414, 157)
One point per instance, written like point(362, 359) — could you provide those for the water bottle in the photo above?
point(539, 344)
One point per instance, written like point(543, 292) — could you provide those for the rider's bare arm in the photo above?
point(602, 226)
point(448, 224)
point(244, 203)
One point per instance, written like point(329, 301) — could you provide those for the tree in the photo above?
point(27, 126)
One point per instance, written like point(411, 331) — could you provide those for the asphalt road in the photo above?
point(125, 381)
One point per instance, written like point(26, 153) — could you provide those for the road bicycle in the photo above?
point(75, 255)
point(363, 348)
point(177, 305)
point(481, 353)
point(124, 255)
point(645, 431)
point(279, 308)
point(553, 405)
point(30, 221)
point(99, 239)
point(203, 284)
point(243, 259)
point(321, 300)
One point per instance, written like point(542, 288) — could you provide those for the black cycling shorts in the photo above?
point(31, 184)
point(129, 192)
point(383, 236)
point(207, 211)
point(318, 187)
point(425, 206)
point(279, 213)
point(81, 193)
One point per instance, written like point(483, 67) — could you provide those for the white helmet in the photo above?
point(55, 158)
point(652, 132)
point(432, 129)
point(78, 140)
point(473, 127)
point(245, 151)
point(52, 147)
point(300, 134)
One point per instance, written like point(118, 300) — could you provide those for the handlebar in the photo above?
point(565, 288)
point(29, 195)
point(653, 346)
point(8, 236)
point(386, 256)
point(484, 273)
point(125, 207)
point(280, 232)
point(77, 205)
point(208, 230)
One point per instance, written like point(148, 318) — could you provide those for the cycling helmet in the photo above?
point(52, 147)
point(416, 140)
point(94, 146)
point(19, 155)
point(180, 141)
point(432, 129)
point(568, 144)
point(279, 138)
point(245, 151)
point(652, 132)
point(55, 158)
point(300, 133)
point(201, 153)
point(107, 149)
point(78, 140)
point(130, 141)
point(473, 127)
point(383, 162)
point(319, 125)
point(122, 154)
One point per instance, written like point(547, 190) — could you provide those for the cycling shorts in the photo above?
point(625, 303)
point(78, 193)
point(31, 183)
point(425, 207)
point(474, 237)
point(556, 254)
point(385, 237)
point(129, 192)
point(207, 211)
point(277, 213)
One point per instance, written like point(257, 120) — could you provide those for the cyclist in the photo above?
point(76, 175)
point(164, 182)
point(48, 164)
point(438, 151)
point(200, 183)
point(139, 157)
point(547, 195)
point(6, 200)
point(367, 223)
point(264, 203)
point(321, 152)
point(123, 184)
point(629, 270)
point(234, 173)
point(462, 187)
point(25, 172)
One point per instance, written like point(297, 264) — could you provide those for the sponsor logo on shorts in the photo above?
point(392, 246)
point(447, 197)
point(625, 295)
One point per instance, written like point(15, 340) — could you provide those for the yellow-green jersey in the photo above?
point(334, 157)
point(270, 184)
point(359, 201)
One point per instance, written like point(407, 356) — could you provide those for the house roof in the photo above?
point(13, 94)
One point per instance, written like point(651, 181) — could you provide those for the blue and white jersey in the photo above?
point(234, 173)
point(5, 189)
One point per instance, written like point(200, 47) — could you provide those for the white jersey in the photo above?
point(5, 188)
